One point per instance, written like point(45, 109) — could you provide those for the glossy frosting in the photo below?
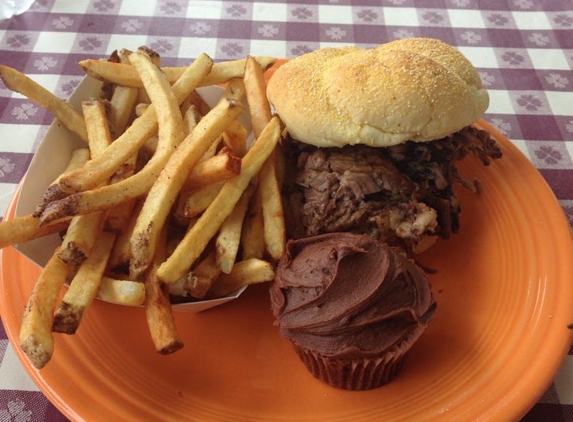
point(347, 295)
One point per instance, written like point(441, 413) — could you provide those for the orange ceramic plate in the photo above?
point(500, 333)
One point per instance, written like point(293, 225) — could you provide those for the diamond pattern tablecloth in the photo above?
point(523, 50)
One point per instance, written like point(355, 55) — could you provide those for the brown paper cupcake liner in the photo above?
point(360, 373)
point(351, 374)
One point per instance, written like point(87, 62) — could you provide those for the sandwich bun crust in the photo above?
point(415, 89)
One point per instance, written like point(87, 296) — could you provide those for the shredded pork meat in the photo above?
point(397, 194)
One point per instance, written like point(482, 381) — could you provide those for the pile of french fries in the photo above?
point(168, 197)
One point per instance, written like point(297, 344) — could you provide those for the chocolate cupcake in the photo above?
point(351, 306)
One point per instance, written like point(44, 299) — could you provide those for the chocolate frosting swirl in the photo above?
point(347, 295)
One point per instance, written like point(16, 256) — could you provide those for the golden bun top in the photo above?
point(416, 89)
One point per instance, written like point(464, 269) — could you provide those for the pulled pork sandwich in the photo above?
point(374, 136)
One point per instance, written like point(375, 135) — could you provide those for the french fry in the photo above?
point(170, 132)
point(280, 164)
point(153, 55)
point(122, 108)
point(235, 89)
point(36, 337)
point(197, 109)
point(81, 233)
point(190, 116)
point(97, 126)
point(126, 75)
point(79, 157)
point(164, 191)
point(98, 170)
point(84, 286)
point(193, 203)
point(215, 169)
point(229, 237)
point(273, 213)
point(260, 112)
point(123, 55)
point(69, 116)
point(199, 281)
point(141, 108)
point(158, 308)
point(213, 149)
point(190, 119)
point(80, 238)
point(255, 90)
point(121, 252)
point(24, 228)
point(225, 71)
point(118, 216)
point(210, 221)
point(235, 137)
point(123, 102)
point(142, 96)
point(244, 273)
point(121, 292)
point(253, 235)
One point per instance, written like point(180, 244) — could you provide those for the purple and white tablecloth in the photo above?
point(523, 50)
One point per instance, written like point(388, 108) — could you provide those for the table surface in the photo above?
point(523, 50)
